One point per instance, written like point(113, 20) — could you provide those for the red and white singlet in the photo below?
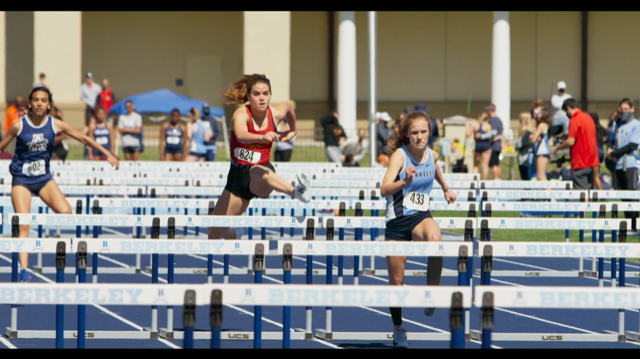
point(257, 153)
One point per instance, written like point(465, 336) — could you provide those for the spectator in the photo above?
point(383, 132)
point(536, 108)
point(525, 147)
point(334, 136)
point(12, 113)
point(41, 82)
point(198, 132)
point(540, 139)
point(130, 126)
point(101, 132)
point(284, 149)
point(60, 148)
point(480, 129)
point(89, 93)
point(433, 136)
point(173, 139)
point(85, 131)
point(624, 141)
point(106, 98)
point(582, 143)
point(213, 125)
point(559, 117)
point(601, 137)
point(398, 121)
point(496, 141)
point(354, 149)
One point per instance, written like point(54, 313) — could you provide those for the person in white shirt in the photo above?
point(129, 126)
point(88, 93)
point(560, 117)
point(354, 149)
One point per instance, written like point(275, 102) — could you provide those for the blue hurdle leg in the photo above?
point(59, 314)
point(82, 278)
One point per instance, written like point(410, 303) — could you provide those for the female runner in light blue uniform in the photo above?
point(541, 148)
point(407, 186)
point(198, 132)
point(34, 135)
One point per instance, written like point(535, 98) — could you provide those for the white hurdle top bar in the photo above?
point(562, 249)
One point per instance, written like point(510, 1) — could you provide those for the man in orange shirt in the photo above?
point(12, 114)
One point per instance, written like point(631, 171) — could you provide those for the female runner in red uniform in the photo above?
point(253, 129)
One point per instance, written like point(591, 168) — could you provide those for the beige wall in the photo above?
point(19, 53)
point(267, 43)
point(309, 56)
point(613, 56)
point(144, 51)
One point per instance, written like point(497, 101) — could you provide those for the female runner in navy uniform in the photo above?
point(102, 133)
point(253, 130)
point(407, 185)
point(34, 135)
point(173, 138)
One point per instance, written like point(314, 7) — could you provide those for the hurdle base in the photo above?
point(632, 336)
point(547, 337)
point(588, 273)
point(621, 337)
point(165, 334)
point(152, 334)
point(382, 336)
point(369, 271)
point(36, 269)
point(231, 335)
point(11, 334)
point(323, 334)
point(72, 334)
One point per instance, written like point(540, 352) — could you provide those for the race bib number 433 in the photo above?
point(36, 168)
point(247, 155)
point(416, 201)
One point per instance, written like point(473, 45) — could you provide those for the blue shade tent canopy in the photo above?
point(162, 101)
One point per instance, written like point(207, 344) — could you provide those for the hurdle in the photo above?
point(551, 298)
point(241, 294)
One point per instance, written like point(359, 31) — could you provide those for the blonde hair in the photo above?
point(525, 123)
point(400, 132)
point(237, 93)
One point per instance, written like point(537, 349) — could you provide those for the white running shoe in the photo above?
point(400, 338)
point(302, 191)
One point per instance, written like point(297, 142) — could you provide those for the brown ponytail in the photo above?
point(237, 93)
point(400, 139)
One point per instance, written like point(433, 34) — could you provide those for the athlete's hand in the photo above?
point(286, 136)
point(113, 161)
point(411, 170)
point(450, 196)
point(269, 136)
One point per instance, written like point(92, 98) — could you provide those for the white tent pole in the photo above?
point(371, 16)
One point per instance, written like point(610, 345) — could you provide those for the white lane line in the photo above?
point(7, 343)
point(113, 261)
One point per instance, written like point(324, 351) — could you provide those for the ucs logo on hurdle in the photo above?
point(248, 297)
point(427, 298)
point(33, 220)
point(160, 297)
point(310, 249)
point(503, 224)
point(104, 247)
point(441, 250)
point(512, 250)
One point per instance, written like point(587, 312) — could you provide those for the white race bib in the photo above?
point(102, 140)
point(247, 155)
point(416, 201)
point(36, 168)
point(172, 140)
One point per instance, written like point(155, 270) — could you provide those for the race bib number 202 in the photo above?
point(247, 155)
point(36, 168)
point(416, 201)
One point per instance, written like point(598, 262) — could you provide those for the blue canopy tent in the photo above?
point(163, 101)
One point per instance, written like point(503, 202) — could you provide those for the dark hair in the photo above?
point(98, 108)
point(239, 91)
point(626, 100)
point(175, 110)
point(128, 101)
point(601, 133)
point(569, 103)
point(400, 139)
point(43, 89)
point(545, 117)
